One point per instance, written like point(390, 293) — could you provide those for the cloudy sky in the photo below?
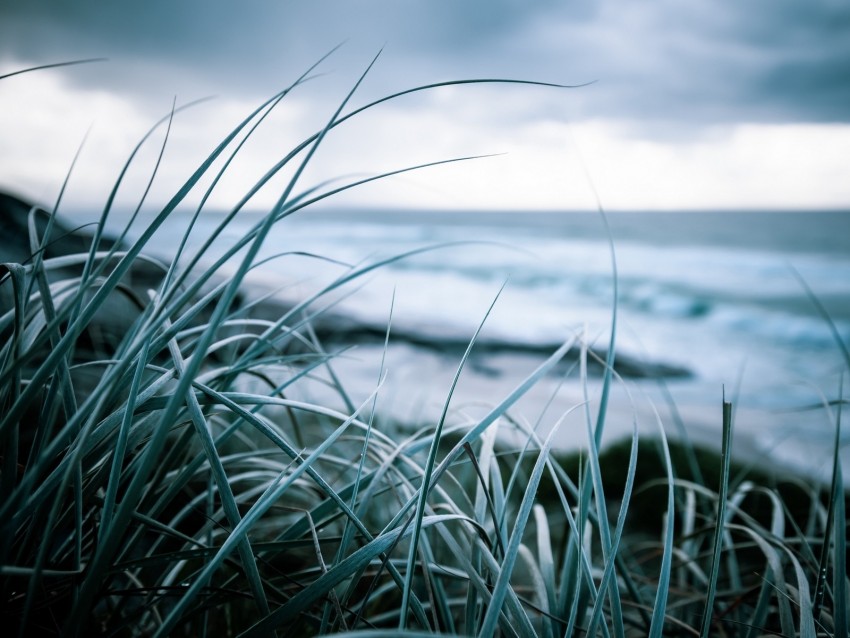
point(699, 104)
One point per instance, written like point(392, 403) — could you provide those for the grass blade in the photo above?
point(355, 562)
point(838, 518)
point(54, 65)
point(494, 609)
point(720, 519)
point(659, 610)
point(429, 470)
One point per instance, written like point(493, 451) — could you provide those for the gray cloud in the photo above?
point(665, 63)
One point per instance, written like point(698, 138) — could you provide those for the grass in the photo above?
point(161, 480)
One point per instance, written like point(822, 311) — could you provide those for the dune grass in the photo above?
point(162, 481)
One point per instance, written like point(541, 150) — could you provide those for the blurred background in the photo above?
point(716, 134)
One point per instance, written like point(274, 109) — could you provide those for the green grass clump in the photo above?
point(168, 477)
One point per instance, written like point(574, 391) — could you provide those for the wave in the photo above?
point(686, 295)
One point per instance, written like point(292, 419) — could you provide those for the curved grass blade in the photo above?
point(656, 629)
point(348, 530)
point(313, 138)
point(836, 527)
point(299, 603)
point(483, 424)
point(271, 495)
point(54, 65)
point(547, 564)
point(224, 489)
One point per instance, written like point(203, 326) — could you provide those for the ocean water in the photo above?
point(716, 297)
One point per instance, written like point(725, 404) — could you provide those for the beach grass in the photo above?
point(164, 474)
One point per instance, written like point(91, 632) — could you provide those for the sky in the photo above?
point(705, 104)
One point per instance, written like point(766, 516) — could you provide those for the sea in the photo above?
point(750, 307)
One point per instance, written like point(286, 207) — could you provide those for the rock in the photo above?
point(15, 236)
point(121, 308)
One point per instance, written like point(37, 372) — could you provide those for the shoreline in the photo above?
point(422, 362)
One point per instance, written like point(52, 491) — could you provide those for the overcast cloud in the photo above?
point(664, 72)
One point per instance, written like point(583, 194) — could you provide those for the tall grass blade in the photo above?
point(720, 519)
point(824, 313)
point(837, 496)
point(348, 530)
point(595, 480)
point(271, 495)
point(230, 291)
point(120, 270)
point(494, 608)
point(54, 65)
point(503, 406)
point(225, 492)
point(205, 339)
point(611, 559)
point(839, 526)
point(11, 352)
point(429, 469)
point(547, 566)
point(659, 611)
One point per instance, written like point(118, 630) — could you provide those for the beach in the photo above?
point(707, 303)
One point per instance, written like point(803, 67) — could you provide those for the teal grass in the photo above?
point(163, 473)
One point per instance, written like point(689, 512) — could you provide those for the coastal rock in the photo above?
point(15, 235)
point(343, 331)
point(122, 307)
